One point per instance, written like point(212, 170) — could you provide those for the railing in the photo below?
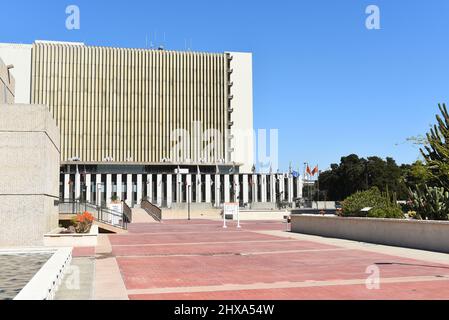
point(101, 214)
point(127, 212)
point(152, 210)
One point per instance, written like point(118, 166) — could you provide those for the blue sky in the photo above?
point(331, 86)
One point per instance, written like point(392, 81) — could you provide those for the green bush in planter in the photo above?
point(389, 213)
point(362, 199)
point(383, 206)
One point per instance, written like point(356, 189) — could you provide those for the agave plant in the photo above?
point(430, 202)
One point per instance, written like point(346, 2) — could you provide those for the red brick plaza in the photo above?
point(198, 259)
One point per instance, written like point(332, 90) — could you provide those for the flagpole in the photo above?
point(318, 186)
point(304, 176)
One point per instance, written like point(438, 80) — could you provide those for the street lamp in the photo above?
point(188, 200)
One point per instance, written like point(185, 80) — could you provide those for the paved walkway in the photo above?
point(200, 260)
point(78, 280)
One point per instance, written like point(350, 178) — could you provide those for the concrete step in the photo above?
point(141, 216)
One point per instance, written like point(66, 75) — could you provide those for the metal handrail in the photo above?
point(152, 210)
point(101, 214)
point(127, 212)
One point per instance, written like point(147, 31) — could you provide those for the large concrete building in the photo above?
point(171, 126)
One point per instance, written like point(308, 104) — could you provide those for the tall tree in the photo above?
point(357, 174)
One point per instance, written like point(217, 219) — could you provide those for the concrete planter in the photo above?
point(56, 239)
point(425, 235)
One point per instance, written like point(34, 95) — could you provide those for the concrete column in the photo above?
point(264, 188)
point(245, 188)
point(236, 187)
point(272, 188)
point(208, 188)
point(217, 190)
point(139, 189)
point(179, 188)
point(300, 185)
point(188, 188)
point(98, 188)
point(281, 186)
point(227, 190)
point(169, 190)
point(198, 188)
point(88, 187)
point(108, 188)
point(254, 186)
point(66, 186)
point(150, 187)
point(159, 190)
point(119, 186)
point(77, 185)
point(290, 189)
point(129, 189)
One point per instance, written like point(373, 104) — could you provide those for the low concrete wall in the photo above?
point(47, 280)
point(425, 235)
point(262, 215)
point(56, 239)
point(262, 206)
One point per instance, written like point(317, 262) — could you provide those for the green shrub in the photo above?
point(362, 199)
point(389, 213)
point(383, 206)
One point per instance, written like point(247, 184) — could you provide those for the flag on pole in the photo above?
point(315, 170)
point(308, 171)
point(295, 174)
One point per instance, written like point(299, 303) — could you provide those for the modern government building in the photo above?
point(169, 126)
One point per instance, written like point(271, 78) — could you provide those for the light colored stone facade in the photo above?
point(29, 171)
point(7, 84)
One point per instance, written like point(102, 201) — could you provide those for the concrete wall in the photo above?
point(29, 171)
point(242, 105)
point(19, 55)
point(7, 84)
point(425, 235)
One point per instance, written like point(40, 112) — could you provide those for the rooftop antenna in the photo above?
point(155, 37)
point(161, 46)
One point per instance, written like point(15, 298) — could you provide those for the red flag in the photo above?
point(308, 171)
point(315, 171)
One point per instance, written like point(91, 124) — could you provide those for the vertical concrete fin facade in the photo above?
point(131, 104)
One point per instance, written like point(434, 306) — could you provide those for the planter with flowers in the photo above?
point(81, 233)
